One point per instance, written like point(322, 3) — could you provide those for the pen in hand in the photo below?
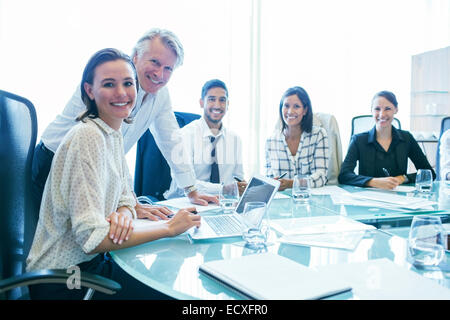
point(282, 175)
point(237, 179)
point(171, 215)
point(386, 173)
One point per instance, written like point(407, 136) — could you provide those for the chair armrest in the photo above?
point(87, 280)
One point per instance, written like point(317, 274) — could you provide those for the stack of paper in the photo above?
point(397, 189)
point(339, 240)
point(383, 200)
point(327, 231)
point(270, 276)
point(318, 225)
point(386, 197)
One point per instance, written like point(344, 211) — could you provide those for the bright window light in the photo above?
point(341, 52)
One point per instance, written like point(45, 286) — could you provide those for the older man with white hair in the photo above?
point(156, 55)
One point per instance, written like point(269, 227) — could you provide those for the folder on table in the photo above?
point(269, 276)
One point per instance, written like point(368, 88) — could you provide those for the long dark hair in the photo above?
point(307, 120)
point(100, 57)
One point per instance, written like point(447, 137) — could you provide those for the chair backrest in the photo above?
point(366, 122)
point(329, 123)
point(445, 125)
point(152, 173)
point(18, 131)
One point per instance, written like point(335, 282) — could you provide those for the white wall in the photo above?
point(341, 52)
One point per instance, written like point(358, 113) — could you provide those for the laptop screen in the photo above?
point(257, 190)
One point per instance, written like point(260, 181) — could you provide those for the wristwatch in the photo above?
point(406, 179)
point(189, 189)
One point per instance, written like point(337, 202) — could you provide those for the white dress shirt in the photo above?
point(152, 111)
point(88, 181)
point(312, 156)
point(196, 136)
point(444, 155)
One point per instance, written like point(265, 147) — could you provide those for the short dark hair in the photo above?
point(214, 83)
point(307, 120)
point(388, 95)
point(99, 58)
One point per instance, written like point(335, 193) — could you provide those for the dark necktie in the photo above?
point(214, 166)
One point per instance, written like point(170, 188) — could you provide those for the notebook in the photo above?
point(269, 276)
point(259, 188)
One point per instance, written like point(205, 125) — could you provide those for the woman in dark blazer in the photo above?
point(383, 151)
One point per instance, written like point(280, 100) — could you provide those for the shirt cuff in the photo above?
point(130, 203)
point(132, 210)
point(95, 238)
point(209, 188)
point(184, 180)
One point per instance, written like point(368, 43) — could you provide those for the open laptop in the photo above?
point(259, 188)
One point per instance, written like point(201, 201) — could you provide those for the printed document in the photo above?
point(386, 200)
point(339, 240)
point(318, 225)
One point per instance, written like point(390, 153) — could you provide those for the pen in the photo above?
point(386, 173)
point(282, 175)
point(171, 215)
point(237, 179)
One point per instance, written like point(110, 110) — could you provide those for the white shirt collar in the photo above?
point(207, 131)
point(141, 94)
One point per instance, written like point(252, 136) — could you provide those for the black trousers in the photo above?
point(103, 265)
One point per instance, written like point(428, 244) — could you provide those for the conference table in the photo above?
point(171, 265)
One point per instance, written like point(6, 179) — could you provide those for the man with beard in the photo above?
point(214, 151)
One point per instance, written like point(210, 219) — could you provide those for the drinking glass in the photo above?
point(256, 226)
point(424, 180)
point(426, 241)
point(229, 196)
point(301, 188)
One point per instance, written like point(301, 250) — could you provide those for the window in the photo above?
point(341, 52)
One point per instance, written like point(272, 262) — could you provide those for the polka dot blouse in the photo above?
point(88, 180)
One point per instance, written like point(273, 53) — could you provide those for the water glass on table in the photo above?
point(229, 196)
point(256, 225)
point(426, 241)
point(424, 180)
point(301, 188)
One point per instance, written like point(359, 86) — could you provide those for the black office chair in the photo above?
point(152, 173)
point(445, 125)
point(18, 215)
point(366, 122)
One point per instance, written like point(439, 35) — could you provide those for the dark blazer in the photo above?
point(362, 149)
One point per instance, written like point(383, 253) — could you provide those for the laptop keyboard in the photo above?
point(224, 224)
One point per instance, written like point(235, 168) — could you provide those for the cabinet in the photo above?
point(430, 97)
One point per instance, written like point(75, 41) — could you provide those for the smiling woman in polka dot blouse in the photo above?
point(88, 206)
